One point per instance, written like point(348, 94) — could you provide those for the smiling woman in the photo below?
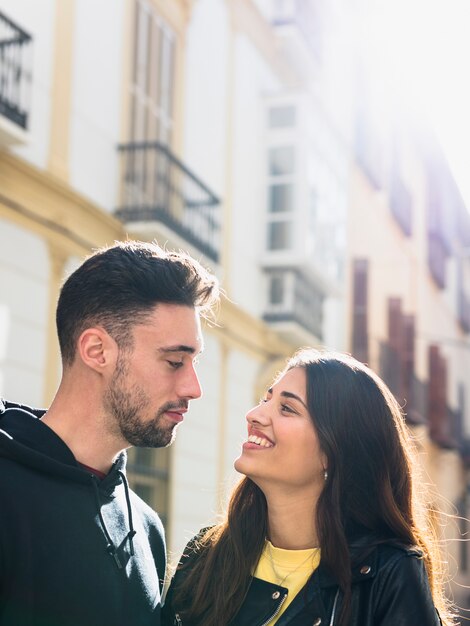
point(325, 527)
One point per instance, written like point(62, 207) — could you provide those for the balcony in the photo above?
point(15, 82)
point(294, 305)
point(158, 188)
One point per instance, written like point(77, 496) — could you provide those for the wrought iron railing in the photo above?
point(15, 72)
point(158, 187)
point(301, 302)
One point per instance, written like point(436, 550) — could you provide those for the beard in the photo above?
point(127, 406)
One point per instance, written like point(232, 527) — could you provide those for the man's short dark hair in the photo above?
point(119, 286)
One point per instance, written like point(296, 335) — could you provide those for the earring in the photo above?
point(325, 474)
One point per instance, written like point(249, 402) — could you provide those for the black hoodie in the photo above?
point(74, 550)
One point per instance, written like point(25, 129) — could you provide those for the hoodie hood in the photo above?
point(25, 439)
point(75, 549)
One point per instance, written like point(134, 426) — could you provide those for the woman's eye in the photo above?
point(284, 407)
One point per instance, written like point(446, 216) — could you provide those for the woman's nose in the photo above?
point(258, 414)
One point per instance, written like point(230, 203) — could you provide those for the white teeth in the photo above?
point(264, 443)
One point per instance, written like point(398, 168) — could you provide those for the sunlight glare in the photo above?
point(419, 51)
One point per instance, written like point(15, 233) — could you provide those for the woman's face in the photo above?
point(282, 448)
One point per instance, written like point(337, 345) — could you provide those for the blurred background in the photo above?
point(312, 153)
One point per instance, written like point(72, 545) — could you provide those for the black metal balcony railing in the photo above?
point(15, 72)
point(158, 187)
point(302, 302)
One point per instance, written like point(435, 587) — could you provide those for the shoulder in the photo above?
point(383, 560)
point(405, 565)
point(399, 555)
point(195, 547)
point(189, 557)
point(391, 579)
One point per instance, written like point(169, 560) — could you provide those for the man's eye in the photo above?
point(175, 364)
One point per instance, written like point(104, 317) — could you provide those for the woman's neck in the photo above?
point(292, 523)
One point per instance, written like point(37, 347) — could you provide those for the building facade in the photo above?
point(189, 123)
point(231, 129)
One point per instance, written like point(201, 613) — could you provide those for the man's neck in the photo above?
point(86, 437)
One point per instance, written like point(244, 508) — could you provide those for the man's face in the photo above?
point(153, 382)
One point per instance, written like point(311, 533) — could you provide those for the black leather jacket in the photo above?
point(389, 588)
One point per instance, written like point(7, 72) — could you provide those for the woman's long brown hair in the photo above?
point(362, 432)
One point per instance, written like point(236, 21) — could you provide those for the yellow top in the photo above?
point(287, 568)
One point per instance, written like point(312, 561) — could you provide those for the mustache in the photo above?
point(172, 406)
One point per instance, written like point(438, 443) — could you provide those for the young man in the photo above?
point(77, 546)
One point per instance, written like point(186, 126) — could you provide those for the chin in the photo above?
point(238, 465)
point(244, 466)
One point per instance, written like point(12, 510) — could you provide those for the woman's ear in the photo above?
point(97, 349)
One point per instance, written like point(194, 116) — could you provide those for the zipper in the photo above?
point(334, 609)
point(178, 621)
point(276, 612)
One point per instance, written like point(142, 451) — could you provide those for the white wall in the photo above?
point(253, 79)
point(97, 99)
point(243, 372)
point(202, 471)
point(24, 299)
point(206, 96)
point(193, 477)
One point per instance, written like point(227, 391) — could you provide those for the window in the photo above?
point(281, 161)
point(152, 77)
point(276, 290)
point(360, 329)
point(280, 235)
point(148, 470)
point(281, 198)
point(151, 105)
point(282, 117)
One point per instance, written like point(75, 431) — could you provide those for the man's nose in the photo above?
point(191, 387)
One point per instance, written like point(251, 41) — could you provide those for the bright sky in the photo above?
point(426, 45)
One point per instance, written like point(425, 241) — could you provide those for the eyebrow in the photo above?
point(289, 394)
point(179, 348)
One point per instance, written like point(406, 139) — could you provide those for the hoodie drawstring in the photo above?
point(110, 547)
point(132, 532)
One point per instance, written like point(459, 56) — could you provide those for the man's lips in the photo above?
point(176, 415)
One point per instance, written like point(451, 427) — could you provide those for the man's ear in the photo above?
point(97, 349)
